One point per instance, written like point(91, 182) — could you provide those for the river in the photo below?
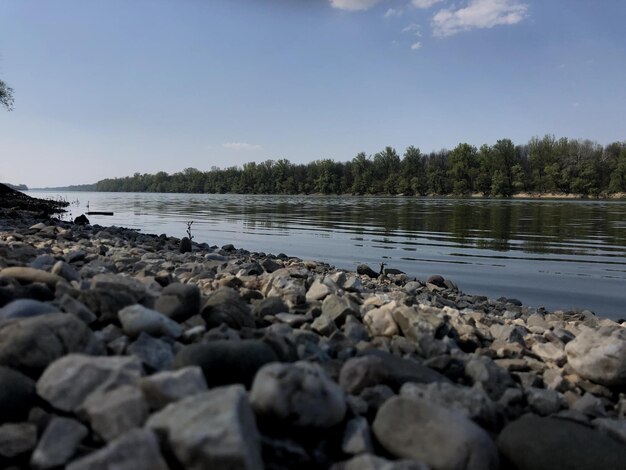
point(561, 254)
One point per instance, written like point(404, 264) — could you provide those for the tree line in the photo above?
point(543, 165)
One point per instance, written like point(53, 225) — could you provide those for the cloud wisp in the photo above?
point(424, 3)
point(241, 146)
point(478, 14)
point(354, 5)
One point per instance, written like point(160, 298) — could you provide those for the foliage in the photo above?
point(543, 165)
point(6, 96)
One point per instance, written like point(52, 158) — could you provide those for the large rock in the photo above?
point(338, 308)
point(156, 354)
point(29, 275)
point(67, 382)
point(599, 355)
point(226, 306)
point(179, 301)
point(215, 429)
point(58, 443)
point(137, 449)
point(226, 362)
point(380, 322)
point(165, 387)
point(444, 439)
point(533, 443)
point(299, 394)
point(31, 344)
point(16, 439)
point(106, 303)
point(24, 308)
point(17, 395)
point(138, 319)
point(118, 283)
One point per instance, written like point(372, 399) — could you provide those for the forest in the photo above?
point(543, 165)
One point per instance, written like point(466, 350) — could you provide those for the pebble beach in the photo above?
point(124, 350)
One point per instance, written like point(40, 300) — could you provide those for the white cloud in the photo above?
point(412, 28)
point(425, 3)
point(416, 45)
point(241, 146)
point(392, 13)
point(478, 14)
point(353, 5)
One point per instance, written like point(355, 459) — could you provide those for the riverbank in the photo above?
point(135, 352)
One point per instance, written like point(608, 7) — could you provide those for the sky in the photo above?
point(110, 88)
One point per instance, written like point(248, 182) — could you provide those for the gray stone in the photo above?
point(550, 352)
point(67, 382)
point(338, 308)
point(590, 405)
point(78, 309)
point(472, 402)
point(357, 438)
point(106, 303)
point(599, 355)
point(225, 306)
point(354, 330)
point(487, 375)
point(118, 283)
point(444, 439)
point(29, 275)
point(358, 373)
point(299, 394)
point(165, 387)
point(113, 412)
point(179, 301)
point(317, 291)
point(137, 449)
point(324, 325)
point(136, 319)
point(31, 344)
point(373, 462)
point(270, 306)
point(24, 308)
point(226, 362)
point(154, 353)
point(544, 402)
point(616, 428)
point(534, 443)
point(215, 429)
point(66, 271)
point(17, 395)
point(17, 438)
point(58, 443)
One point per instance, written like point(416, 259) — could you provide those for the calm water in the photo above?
point(559, 254)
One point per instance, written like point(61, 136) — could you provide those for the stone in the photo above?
point(24, 308)
point(417, 429)
point(317, 291)
point(590, 405)
point(106, 303)
point(487, 375)
point(53, 451)
point(179, 301)
point(226, 362)
point(338, 308)
point(374, 462)
point(324, 325)
point(472, 402)
point(270, 306)
point(31, 344)
point(136, 449)
point(214, 429)
point(365, 270)
point(165, 387)
point(401, 370)
point(70, 305)
point(544, 402)
point(599, 355)
point(354, 330)
point(437, 280)
point(68, 381)
point(66, 271)
point(17, 395)
point(358, 373)
point(550, 352)
point(81, 220)
point(29, 275)
point(185, 245)
point(113, 412)
point(225, 306)
point(299, 394)
point(17, 438)
point(616, 428)
point(155, 354)
point(357, 438)
point(534, 443)
point(138, 319)
point(380, 322)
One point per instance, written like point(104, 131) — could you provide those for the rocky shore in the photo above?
point(117, 351)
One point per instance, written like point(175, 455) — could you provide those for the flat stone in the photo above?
point(599, 355)
point(136, 319)
point(179, 301)
point(53, 451)
point(29, 275)
point(137, 449)
point(214, 429)
point(17, 395)
point(317, 291)
point(165, 387)
point(68, 381)
point(17, 438)
point(31, 344)
point(444, 439)
point(24, 308)
point(300, 394)
point(534, 443)
point(118, 283)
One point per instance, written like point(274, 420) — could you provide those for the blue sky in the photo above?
point(109, 88)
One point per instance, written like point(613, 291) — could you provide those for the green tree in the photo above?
point(6, 96)
point(463, 168)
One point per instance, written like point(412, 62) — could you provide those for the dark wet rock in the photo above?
point(225, 306)
point(365, 270)
point(31, 344)
point(437, 280)
point(534, 443)
point(299, 394)
point(136, 449)
point(227, 362)
point(270, 265)
point(452, 440)
point(70, 305)
point(185, 245)
point(106, 303)
point(214, 429)
point(23, 308)
point(156, 354)
point(53, 451)
point(81, 220)
point(179, 301)
point(17, 395)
